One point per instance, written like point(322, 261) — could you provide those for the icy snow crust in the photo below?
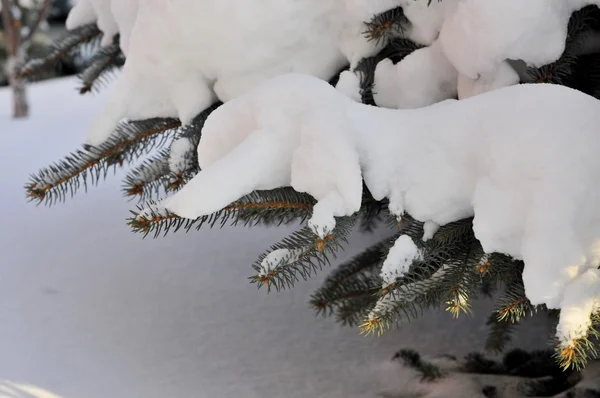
point(522, 159)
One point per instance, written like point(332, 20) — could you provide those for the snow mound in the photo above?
point(400, 257)
point(526, 172)
point(180, 71)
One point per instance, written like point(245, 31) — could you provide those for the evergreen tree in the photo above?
point(451, 269)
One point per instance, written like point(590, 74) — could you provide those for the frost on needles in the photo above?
point(495, 188)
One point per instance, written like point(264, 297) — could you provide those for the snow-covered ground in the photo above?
point(90, 310)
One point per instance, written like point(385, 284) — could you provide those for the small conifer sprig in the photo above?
point(62, 49)
point(308, 254)
point(385, 26)
point(280, 206)
point(148, 180)
point(350, 291)
point(101, 67)
point(91, 164)
point(412, 359)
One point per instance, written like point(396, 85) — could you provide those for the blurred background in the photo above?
point(41, 43)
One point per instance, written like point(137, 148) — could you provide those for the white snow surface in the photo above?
point(91, 310)
point(182, 152)
point(521, 159)
point(178, 72)
point(422, 78)
point(399, 259)
point(475, 38)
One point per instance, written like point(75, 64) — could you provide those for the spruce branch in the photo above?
point(513, 304)
point(445, 273)
point(280, 206)
point(350, 291)
point(149, 178)
point(101, 66)
point(62, 49)
point(310, 254)
point(130, 140)
point(463, 280)
point(412, 359)
point(499, 334)
point(385, 26)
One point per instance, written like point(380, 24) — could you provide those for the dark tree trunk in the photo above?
point(16, 44)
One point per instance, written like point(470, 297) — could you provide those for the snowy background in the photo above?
point(88, 309)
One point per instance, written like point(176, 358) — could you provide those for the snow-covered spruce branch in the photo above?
point(280, 206)
point(101, 66)
point(129, 141)
point(438, 274)
point(409, 157)
point(300, 255)
point(576, 353)
point(62, 49)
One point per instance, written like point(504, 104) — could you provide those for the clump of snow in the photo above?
point(125, 14)
point(504, 76)
point(581, 300)
point(477, 36)
point(81, 14)
point(426, 18)
point(429, 229)
point(526, 172)
point(422, 78)
point(316, 37)
point(99, 11)
point(279, 258)
point(349, 84)
point(399, 259)
point(181, 154)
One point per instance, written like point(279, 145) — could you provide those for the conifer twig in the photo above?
point(129, 141)
point(62, 49)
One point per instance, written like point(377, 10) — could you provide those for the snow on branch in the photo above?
point(300, 256)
